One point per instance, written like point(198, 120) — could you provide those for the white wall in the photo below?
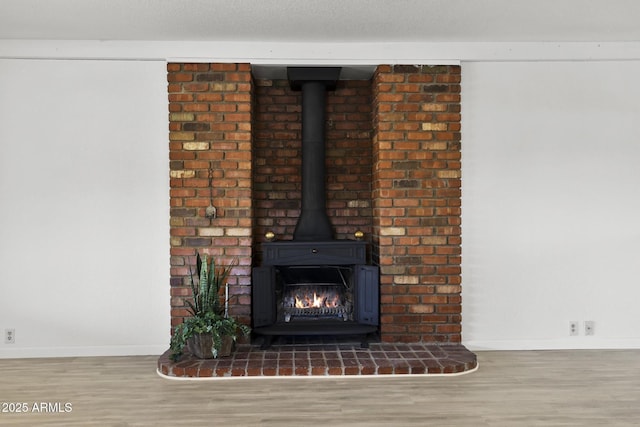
point(84, 229)
point(551, 201)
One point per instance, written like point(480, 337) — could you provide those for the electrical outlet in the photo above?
point(589, 327)
point(9, 336)
point(574, 328)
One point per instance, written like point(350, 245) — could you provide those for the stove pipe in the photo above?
point(313, 224)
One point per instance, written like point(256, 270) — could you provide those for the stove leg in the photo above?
point(266, 342)
point(365, 341)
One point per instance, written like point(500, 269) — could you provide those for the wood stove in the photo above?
point(314, 285)
point(319, 288)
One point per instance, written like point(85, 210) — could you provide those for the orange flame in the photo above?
point(316, 301)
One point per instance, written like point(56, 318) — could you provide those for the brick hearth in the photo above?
point(326, 360)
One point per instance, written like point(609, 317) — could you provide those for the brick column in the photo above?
point(210, 127)
point(416, 201)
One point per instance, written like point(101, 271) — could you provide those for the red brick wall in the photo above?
point(416, 201)
point(277, 158)
point(393, 171)
point(210, 126)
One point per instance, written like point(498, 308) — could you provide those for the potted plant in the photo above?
point(209, 332)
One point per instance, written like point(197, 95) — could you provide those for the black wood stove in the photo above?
point(314, 285)
point(315, 288)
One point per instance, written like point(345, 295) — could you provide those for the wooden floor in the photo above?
point(528, 388)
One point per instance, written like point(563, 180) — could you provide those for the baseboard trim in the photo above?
point(579, 343)
point(88, 351)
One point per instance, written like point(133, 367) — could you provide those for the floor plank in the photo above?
point(516, 388)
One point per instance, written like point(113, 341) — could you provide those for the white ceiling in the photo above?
point(338, 21)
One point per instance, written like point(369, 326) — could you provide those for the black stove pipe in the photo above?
point(313, 224)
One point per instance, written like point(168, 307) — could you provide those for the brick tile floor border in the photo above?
point(306, 360)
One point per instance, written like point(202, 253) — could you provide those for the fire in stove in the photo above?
point(316, 298)
point(312, 302)
point(306, 298)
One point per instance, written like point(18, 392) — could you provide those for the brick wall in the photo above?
point(416, 201)
point(393, 171)
point(210, 127)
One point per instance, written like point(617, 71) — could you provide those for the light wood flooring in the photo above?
point(514, 388)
